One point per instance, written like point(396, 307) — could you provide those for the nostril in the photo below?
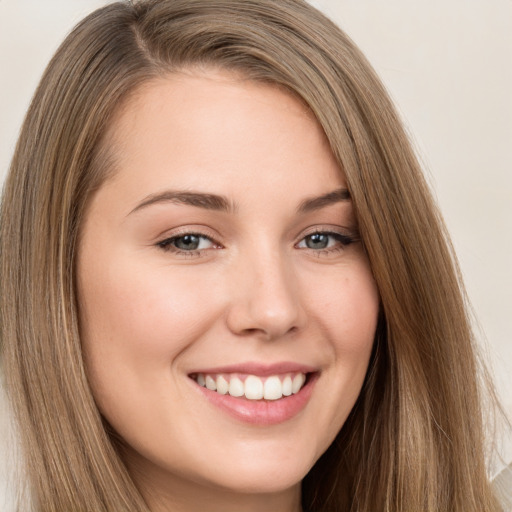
point(269, 333)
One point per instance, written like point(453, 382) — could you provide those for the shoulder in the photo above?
point(502, 484)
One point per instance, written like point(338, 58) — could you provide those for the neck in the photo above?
point(166, 493)
point(222, 501)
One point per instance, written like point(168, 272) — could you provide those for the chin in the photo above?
point(263, 480)
point(266, 473)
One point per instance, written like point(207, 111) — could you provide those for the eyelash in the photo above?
point(342, 241)
point(167, 244)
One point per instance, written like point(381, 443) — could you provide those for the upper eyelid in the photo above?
point(343, 238)
point(178, 232)
point(166, 240)
point(329, 229)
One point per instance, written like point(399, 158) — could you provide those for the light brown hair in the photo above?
point(414, 440)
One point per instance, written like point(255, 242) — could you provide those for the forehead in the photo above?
point(199, 98)
point(216, 131)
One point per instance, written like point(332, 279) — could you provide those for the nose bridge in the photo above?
point(266, 299)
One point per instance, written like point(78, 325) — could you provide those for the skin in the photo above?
point(254, 291)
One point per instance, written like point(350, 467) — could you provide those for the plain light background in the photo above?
point(448, 66)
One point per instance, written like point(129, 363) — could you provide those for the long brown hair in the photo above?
point(414, 440)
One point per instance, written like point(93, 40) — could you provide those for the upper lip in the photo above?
point(258, 369)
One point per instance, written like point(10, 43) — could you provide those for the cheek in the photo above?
point(141, 311)
point(135, 321)
point(356, 327)
point(347, 306)
point(347, 309)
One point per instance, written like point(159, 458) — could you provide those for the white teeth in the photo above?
point(236, 387)
point(298, 382)
point(222, 385)
point(210, 383)
point(253, 388)
point(287, 386)
point(272, 389)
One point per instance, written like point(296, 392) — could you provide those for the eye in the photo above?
point(321, 241)
point(187, 242)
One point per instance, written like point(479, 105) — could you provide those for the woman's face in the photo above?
point(223, 253)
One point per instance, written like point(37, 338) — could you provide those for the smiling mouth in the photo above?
point(252, 387)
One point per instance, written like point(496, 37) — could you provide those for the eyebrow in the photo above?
point(317, 203)
point(221, 203)
point(197, 199)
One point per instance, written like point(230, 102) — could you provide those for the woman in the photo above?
point(225, 284)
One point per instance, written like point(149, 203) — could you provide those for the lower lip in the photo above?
point(262, 412)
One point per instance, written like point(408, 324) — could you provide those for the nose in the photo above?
point(265, 299)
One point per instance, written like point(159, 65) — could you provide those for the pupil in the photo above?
point(187, 242)
point(317, 241)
